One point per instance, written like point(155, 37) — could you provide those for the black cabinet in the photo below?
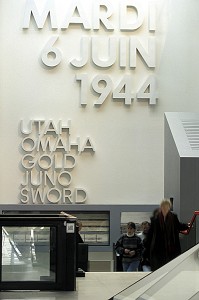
point(38, 252)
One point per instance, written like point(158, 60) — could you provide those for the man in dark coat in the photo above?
point(163, 243)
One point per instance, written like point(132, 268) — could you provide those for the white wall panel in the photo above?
point(127, 165)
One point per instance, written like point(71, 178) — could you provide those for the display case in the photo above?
point(95, 229)
point(38, 252)
point(136, 217)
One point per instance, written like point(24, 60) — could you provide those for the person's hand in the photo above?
point(189, 225)
point(132, 252)
point(126, 251)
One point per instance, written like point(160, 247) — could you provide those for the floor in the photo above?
point(94, 286)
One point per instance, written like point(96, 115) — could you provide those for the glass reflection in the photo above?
point(28, 253)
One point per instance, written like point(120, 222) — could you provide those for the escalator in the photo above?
point(10, 252)
point(178, 279)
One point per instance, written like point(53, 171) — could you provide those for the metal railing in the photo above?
point(186, 232)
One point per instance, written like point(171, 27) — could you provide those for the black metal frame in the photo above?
point(65, 270)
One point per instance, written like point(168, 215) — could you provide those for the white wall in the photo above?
point(127, 165)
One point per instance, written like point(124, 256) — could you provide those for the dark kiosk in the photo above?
point(38, 252)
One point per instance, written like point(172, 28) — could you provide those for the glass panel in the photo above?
point(136, 217)
point(95, 227)
point(28, 253)
point(176, 280)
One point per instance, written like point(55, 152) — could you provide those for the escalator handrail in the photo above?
point(196, 213)
point(13, 244)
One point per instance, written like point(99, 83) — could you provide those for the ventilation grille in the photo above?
point(191, 128)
